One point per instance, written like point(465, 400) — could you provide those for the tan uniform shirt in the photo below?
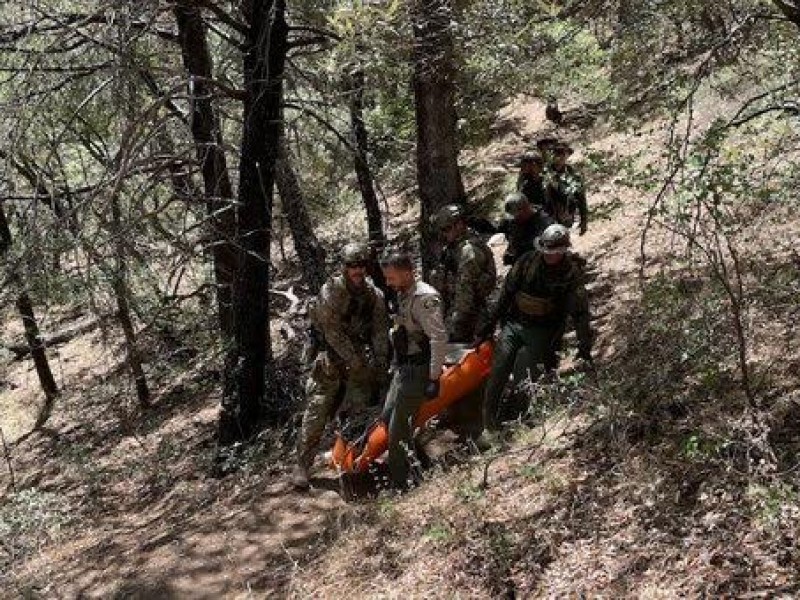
point(420, 310)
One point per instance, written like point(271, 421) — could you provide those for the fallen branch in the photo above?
point(23, 350)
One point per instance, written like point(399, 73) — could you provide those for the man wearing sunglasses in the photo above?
point(350, 314)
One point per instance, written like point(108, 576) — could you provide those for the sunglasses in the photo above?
point(358, 264)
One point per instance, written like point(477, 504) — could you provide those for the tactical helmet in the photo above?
point(355, 253)
point(515, 201)
point(554, 240)
point(447, 216)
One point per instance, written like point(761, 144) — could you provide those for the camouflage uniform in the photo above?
point(352, 322)
point(533, 306)
point(521, 234)
point(532, 188)
point(467, 279)
point(420, 317)
point(566, 194)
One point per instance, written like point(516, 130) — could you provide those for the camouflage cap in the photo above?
point(448, 215)
point(554, 240)
point(354, 253)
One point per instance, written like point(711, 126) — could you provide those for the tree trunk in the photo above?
point(306, 244)
point(119, 284)
point(377, 237)
point(131, 348)
point(46, 380)
point(25, 309)
point(249, 361)
point(366, 183)
point(790, 9)
point(207, 137)
point(438, 175)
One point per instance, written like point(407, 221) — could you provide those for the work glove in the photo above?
point(432, 389)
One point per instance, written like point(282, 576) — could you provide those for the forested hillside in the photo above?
point(184, 184)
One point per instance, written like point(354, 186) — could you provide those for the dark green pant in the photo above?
point(539, 342)
point(406, 395)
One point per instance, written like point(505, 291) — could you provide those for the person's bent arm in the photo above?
point(431, 320)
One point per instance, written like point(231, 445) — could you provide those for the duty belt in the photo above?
point(534, 306)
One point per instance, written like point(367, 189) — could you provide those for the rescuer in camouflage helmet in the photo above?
point(448, 215)
point(554, 240)
point(466, 275)
point(350, 318)
point(542, 289)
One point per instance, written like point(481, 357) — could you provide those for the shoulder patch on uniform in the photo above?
point(431, 302)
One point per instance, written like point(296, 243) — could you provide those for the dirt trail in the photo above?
point(145, 521)
point(222, 549)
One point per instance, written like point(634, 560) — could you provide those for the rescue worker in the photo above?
point(524, 223)
point(565, 191)
point(542, 289)
point(530, 181)
point(545, 147)
point(350, 315)
point(419, 340)
point(467, 275)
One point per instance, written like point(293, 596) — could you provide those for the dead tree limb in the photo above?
point(21, 351)
point(7, 456)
